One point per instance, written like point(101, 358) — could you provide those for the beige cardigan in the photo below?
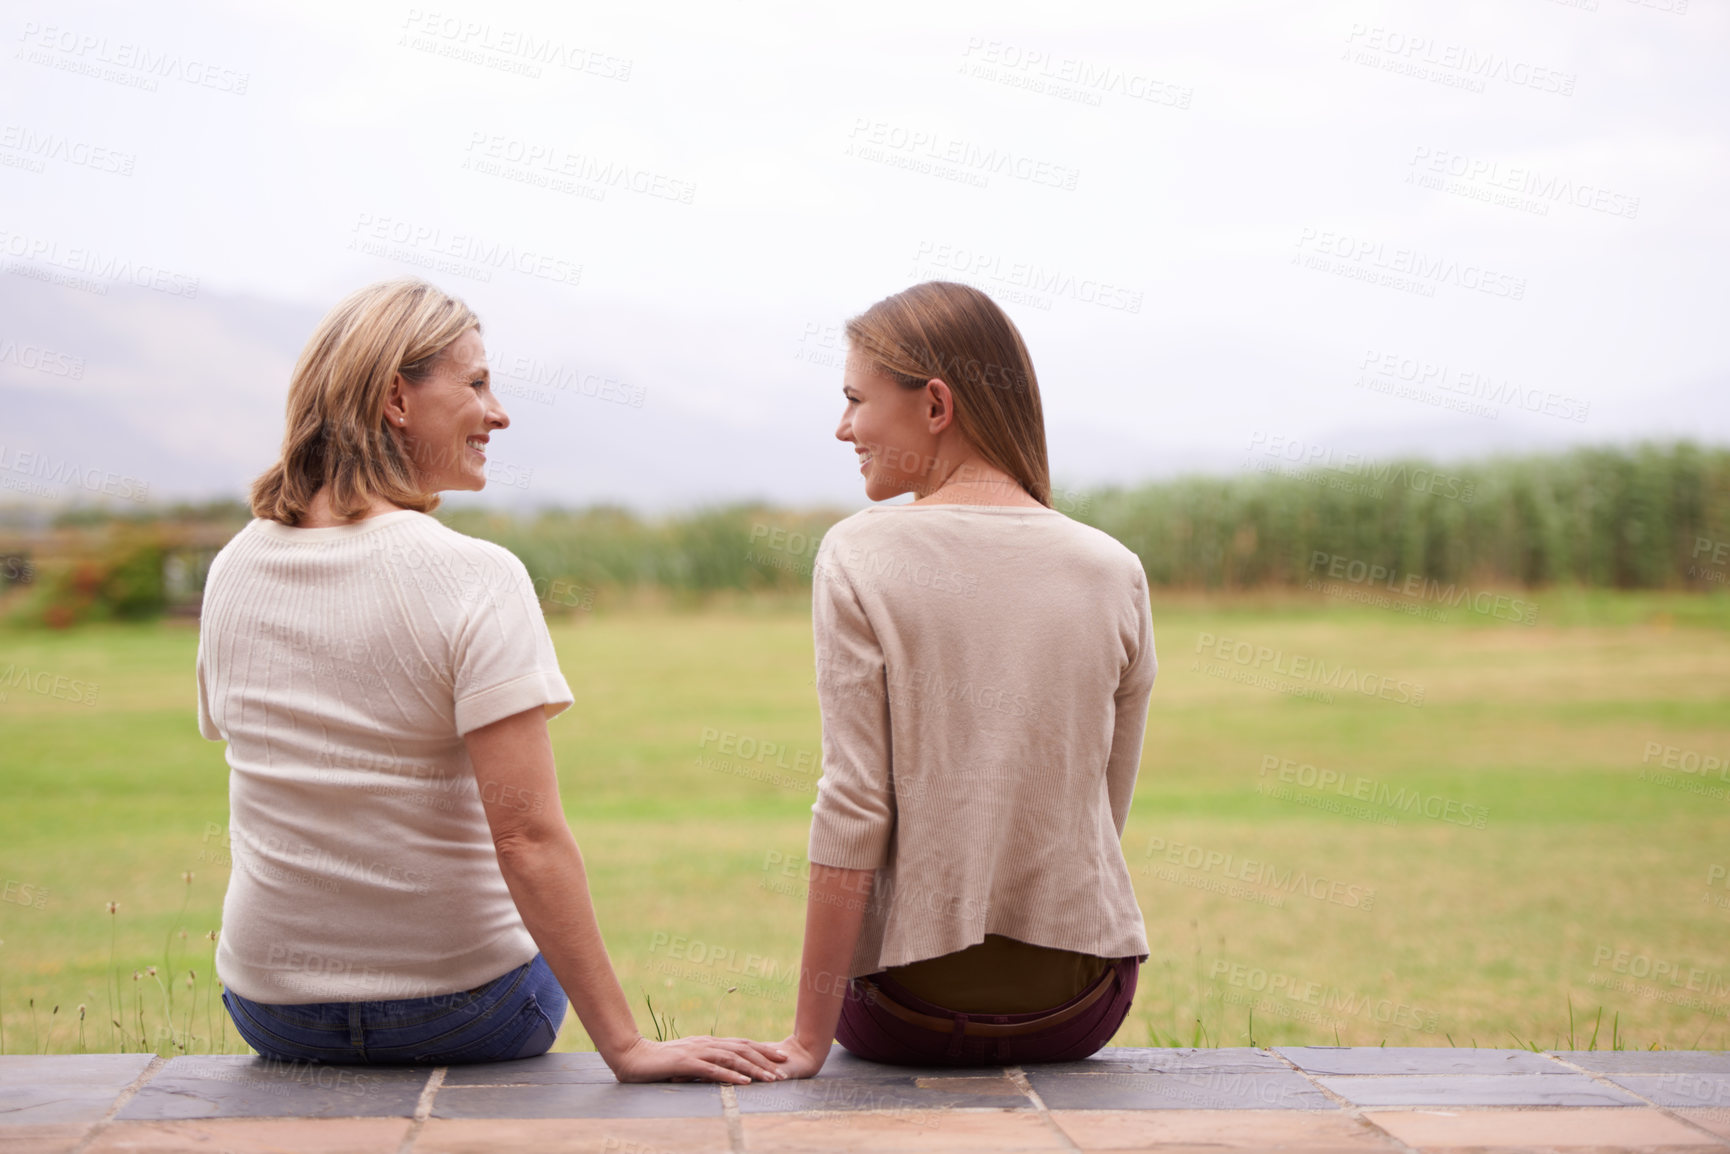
point(984, 674)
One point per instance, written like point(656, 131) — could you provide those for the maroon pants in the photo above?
point(872, 1028)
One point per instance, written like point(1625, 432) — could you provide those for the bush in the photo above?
point(121, 579)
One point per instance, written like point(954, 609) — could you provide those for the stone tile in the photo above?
point(1418, 1060)
point(64, 1088)
point(1148, 1060)
point(40, 1105)
point(955, 1090)
point(1222, 1130)
point(1550, 1129)
point(1262, 1144)
point(1715, 1120)
point(255, 1136)
point(1475, 1090)
point(55, 1138)
point(227, 1086)
point(546, 1070)
point(555, 1136)
point(1648, 1061)
point(1699, 1090)
point(912, 1132)
point(1199, 1090)
point(581, 1100)
point(91, 1071)
point(841, 1064)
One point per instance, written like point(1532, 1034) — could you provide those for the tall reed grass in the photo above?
point(1649, 517)
point(1654, 516)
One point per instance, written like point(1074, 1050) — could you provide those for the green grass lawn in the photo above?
point(1293, 884)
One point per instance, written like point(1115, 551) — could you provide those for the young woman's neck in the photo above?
point(973, 481)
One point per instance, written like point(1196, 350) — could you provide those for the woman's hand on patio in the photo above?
point(698, 1059)
point(802, 1061)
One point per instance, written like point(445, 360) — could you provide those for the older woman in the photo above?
point(405, 888)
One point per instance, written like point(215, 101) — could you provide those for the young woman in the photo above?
point(405, 888)
point(984, 665)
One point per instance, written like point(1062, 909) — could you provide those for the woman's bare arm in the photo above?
point(513, 764)
point(834, 911)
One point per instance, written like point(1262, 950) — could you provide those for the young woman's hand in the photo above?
point(698, 1059)
point(802, 1061)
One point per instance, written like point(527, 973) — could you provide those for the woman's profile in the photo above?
point(984, 666)
point(405, 888)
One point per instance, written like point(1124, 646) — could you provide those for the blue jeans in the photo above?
point(513, 1016)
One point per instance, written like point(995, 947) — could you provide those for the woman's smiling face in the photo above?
point(889, 428)
point(448, 417)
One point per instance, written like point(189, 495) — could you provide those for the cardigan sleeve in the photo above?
point(854, 814)
point(1134, 689)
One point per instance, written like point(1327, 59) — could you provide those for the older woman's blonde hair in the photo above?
point(337, 436)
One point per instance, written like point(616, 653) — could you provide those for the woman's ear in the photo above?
point(940, 407)
point(396, 403)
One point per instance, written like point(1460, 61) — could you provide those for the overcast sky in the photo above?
point(1228, 231)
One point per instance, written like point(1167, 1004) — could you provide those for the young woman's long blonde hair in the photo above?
point(336, 435)
point(957, 334)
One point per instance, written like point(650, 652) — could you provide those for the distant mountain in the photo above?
point(136, 395)
point(174, 397)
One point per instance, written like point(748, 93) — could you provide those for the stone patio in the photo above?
point(1292, 1098)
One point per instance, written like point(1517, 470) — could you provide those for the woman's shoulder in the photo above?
point(1100, 545)
point(408, 541)
point(850, 528)
point(478, 548)
point(1039, 526)
point(876, 531)
point(248, 540)
point(1005, 539)
point(470, 560)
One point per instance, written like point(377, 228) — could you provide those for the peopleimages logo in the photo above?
point(41, 360)
point(1067, 77)
point(1470, 384)
point(1286, 879)
point(951, 259)
point(873, 568)
point(463, 253)
point(1670, 971)
point(38, 147)
point(43, 467)
point(487, 151)
point(927, 151)
point(505, 48)
point(1517, 181)
point(1686, 760)
point(1407, 266)
point(1410, 801)
point(1321, 996)
point(746, 756)
point(41, 254)
point(1306, 668)
point(136, 65)
point(1455, 65)
point(47, 684)
point(1418, 587)
point(1309, 458)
